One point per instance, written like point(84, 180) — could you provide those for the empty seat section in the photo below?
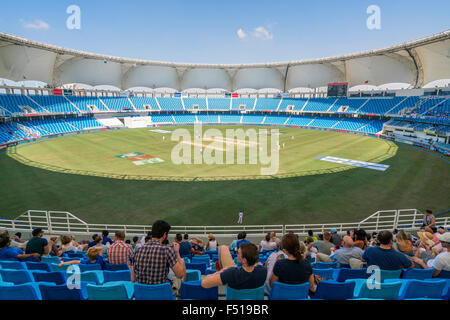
point(170, 104)
point(276, 119)
point(219, 103)
point(351, 124)
point(55, 104)
point(144, 103)
point(299, 121)
point(184, 118)
point(230, 118)
point(117, 103)
point(249, 103)
point(190, 103)
point(10, 103)
point(267, 104)
point(353, 104)
point(373, 127)
point(380, 106)
point(318, 105)
point(324, 122)
point(252, 118)
point(162, 118)
point(87, 104)
point(83, 123)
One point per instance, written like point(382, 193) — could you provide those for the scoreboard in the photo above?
point(337, 89)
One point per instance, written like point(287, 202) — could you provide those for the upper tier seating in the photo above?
point(249, 103)
point(55, 104)
point(189, 103)
point(170, 103)
point(144, 103)
point(117, 103)
point(219, 103)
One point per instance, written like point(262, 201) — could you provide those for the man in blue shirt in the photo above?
point(105, 239)
point(385, 256)
point(14, 254)
point(241, 239)
point(185, 247)
point(94, 241)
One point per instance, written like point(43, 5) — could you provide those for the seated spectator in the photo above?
point(311, 235)
point(119, 252)
point(294, 269)
point(105, 239)
point(185, 247)
point(384, 256)
point(53, 248)
point(404, 243)
point(94, 241)
point(335, 237)
point(135, 242)
point(441, 261)
point(212, 243)
point(310, 252)
point(94, 256)
point(428, 221)
point(270, 263)
point(273, 237)
point(266, 244)
point(234, 242)
point(324, 246)
point(67, 245)
point(241, 239)
point(37, 244)
point(346, 252)
point(197, 246)
point(360, 239)
point(14, 254)
point(250, 275)
point(17, 242)
point(150, 263)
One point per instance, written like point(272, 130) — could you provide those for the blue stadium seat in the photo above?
point(16, 276)
point(95, 276)
point(110, 291)
point(444, 274)
point(325, 273)
point(332, 290)
point(282, 291)
point(89, 267)
point(192, 275)
point(418, 274)
point(197, 266)
point(56, 267)
point(343, 274)
point(412, 289)
point(387, 274)
point(63, 292)
point(25, 291)
point(116, 267)
point(201, 259)
point(57, 277)
point(376, 290)
point(51, 259)
point(194, 290)
point(121, 275)
point(153, 292)
point(245, 294)
point(13, 265)
point(324, 265)
point(38, 266)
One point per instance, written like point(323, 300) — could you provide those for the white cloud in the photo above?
point(262, 33)
point(37, 24)
point(241, 34)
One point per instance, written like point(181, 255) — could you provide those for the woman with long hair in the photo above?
point(404, 244)
point(294, 269)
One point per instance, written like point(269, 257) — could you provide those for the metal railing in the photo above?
point(62, 222)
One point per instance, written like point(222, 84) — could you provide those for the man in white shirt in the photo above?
point(241, 215)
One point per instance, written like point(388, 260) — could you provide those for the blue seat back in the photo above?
point(418, 274)
point(324, 273)
point(197, 266)
point(192, 275)
point(52, 259)
point(332, 290)
point(89, 267)
point(387, 274)
point(121, 275)
point(325, 265)
point(110, 291)
point(387, 291)
point(245, 294)
point(444, 274)
point(24, 291)
point(343, 274)
point(38, 266)
point(95, 276)
point(62, 292)
point(13, 265)
point(153, 292)
point(282, 291)
point(201, 259)
point(57, 277)
point(422, 289)
point(56, 267)
point(116, 267)
point(16, 276)
point(194, 290)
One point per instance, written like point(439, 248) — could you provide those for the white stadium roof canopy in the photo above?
point(416, 63)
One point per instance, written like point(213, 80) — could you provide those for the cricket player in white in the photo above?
point(241, 215)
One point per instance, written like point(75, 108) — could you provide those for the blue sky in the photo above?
point(207, 31)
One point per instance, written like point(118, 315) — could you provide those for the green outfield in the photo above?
point(121, 177)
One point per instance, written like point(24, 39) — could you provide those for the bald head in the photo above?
point(347, 242)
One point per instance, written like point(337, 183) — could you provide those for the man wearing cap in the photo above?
point(441, 261)
point(335, 237)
